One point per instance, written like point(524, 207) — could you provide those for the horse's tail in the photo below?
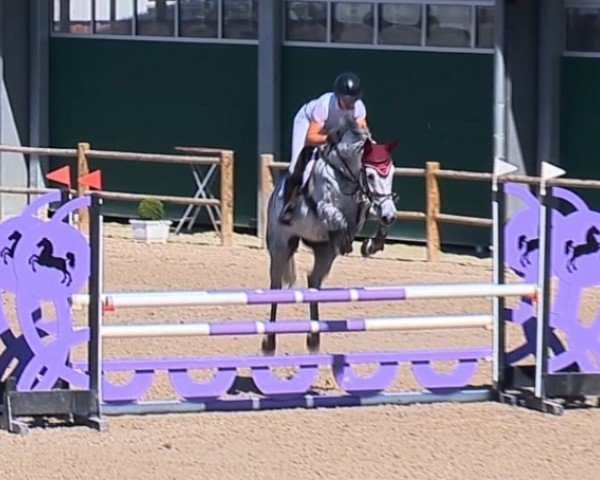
point(289, 272)
point(568, 245)
point(71, 259)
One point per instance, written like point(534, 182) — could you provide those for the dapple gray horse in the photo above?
point(340, 193)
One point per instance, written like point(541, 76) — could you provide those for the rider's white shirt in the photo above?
point(325, 109)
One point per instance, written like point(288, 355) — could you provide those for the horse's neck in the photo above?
point(347, 162)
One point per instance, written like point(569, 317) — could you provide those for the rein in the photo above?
point(349, 176)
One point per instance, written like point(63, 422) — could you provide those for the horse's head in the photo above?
point(349, 141)
point(44, 242)
point(379, 175)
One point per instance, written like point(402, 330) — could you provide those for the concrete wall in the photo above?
point(14, 98)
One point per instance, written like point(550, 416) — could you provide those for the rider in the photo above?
point(313, 125)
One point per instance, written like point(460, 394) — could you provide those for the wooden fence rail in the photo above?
point(432, 215)
point(209, 156)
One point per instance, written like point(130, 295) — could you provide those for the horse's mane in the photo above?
point(346, 124)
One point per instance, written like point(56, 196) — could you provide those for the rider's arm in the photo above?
point(360, 112)
point(362, 123)
point(314, 137)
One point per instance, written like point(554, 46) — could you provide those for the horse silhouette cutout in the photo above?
point(590, 246)
point(9, 252)
point(530, 246)
point(46, 259)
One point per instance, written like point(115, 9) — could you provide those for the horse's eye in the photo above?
point(370, 176)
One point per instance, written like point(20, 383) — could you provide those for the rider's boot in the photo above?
point(290, 192)
point(292, 186)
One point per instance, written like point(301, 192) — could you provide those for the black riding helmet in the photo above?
point(347, 84)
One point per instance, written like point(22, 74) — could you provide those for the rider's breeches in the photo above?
point(299, 130)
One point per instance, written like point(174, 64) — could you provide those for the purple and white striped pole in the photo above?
point(327, 295)
point(298, 326)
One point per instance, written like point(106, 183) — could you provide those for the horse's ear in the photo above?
point(389, 146)
point(368, 148)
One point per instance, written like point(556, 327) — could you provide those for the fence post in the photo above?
point(83, 168)
point(433, 210)
point(227, 198)
point(266, 160)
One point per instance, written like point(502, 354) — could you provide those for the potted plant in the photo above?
point(150, 227)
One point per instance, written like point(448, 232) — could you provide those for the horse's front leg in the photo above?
point(332, 216)
point(324, 257)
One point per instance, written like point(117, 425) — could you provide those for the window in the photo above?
point(72, 16)
point(463, 25)
point(583, 29)
point(156, 17)
point(449, 26)
point(352, 23)
point(199, 18)
point(400, 24)
point(485, 27)
point(306, 21)
point(240, 19)
point(446, 25)
point(114, 17)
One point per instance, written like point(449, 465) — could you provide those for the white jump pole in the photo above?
point(441, 322)
point(246, 297)
point(501, 168)
point(548, 172)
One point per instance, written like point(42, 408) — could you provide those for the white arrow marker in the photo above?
point(503, 168)
point(550, 171)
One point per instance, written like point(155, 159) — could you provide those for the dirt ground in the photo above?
point(444, 441)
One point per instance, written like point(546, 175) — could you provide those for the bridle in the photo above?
point(360, 183)
point(376, 198)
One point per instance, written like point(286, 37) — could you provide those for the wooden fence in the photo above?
point(210, 156)
point(433, 216)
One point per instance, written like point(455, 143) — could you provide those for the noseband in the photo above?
point(373, 196)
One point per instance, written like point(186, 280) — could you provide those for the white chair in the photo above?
point(401, 14)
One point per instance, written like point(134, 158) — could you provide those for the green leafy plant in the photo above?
point(151, 209)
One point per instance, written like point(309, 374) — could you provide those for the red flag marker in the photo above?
point(61, 175)
point(93, 179)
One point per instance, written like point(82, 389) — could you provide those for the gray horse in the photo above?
point(349, 181)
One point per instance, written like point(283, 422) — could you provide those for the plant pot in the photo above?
point(150, 231)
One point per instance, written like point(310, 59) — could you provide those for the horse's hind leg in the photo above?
point(280, 257)
point(324, 257)
point(276, 271)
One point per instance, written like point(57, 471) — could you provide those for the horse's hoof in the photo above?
point(364, 248)
point(268, 346)
point(313, 343)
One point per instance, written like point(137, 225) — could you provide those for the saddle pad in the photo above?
point(307, 172)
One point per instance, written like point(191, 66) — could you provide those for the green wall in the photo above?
point(580, 115)
point(439, 105)
point(149, 97)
